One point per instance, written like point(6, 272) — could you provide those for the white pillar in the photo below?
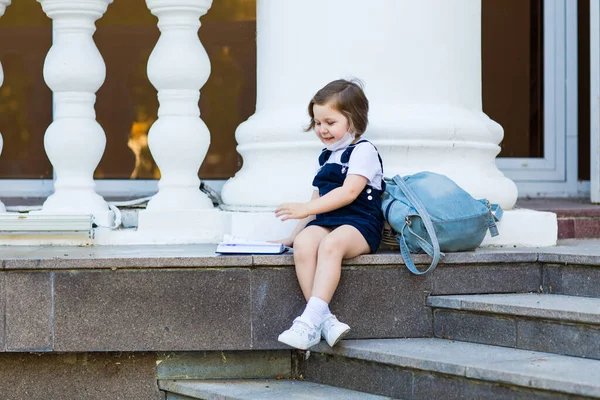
point(3, 5)
point(178, 67)
point(75, 142)
point(421, 65)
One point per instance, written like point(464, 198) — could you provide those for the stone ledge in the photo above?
point(190, 309)
point(89, 376)
point(550, 336)
point(572, 280)
point(536, 305)
point(574, 252)
point(169, 309)
point(224, 365)
point(182, 302)
point(262, 389)
point(529, 369)
point(404, 383)
point(571, 259)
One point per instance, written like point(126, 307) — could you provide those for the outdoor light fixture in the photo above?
point(11, 223)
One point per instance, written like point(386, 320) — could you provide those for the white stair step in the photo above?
point(549, 306)
point(246, 389)
point(524, 368)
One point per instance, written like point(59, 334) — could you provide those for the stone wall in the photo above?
point(89, 376)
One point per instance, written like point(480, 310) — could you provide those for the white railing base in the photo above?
point(258, 225)
point(525, 228)
point(180, 226)
point(519, 228)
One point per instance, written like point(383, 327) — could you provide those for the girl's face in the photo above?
point(330, 124)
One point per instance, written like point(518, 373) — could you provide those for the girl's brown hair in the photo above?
point(348, 98)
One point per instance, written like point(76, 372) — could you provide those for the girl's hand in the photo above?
point(292, 211)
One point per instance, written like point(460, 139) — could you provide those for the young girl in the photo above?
point(343, 219)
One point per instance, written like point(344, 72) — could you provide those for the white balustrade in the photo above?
point(74, 141)
point(178, 67)
point(3, 5)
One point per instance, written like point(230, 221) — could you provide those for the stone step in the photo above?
point(551, 323)
point(258, 389)
point(578, 225)
point(437, 368)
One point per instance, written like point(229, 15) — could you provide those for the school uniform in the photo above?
point(364, 213)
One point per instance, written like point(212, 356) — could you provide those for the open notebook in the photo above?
point(236, 245)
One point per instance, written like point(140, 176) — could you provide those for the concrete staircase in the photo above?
point(432, 368)
point(178, 322)
point(499, 346)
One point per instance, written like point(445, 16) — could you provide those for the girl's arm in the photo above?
point(337, 198)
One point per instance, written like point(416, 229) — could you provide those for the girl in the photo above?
point(343, 219)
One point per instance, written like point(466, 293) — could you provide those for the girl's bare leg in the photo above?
point(306, 246)
point(343, 242)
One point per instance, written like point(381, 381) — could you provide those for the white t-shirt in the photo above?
point(364, 161)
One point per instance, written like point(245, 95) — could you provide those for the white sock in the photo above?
point(315, 311)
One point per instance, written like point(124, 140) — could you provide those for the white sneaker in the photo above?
point(333, 330)
point(301, 335)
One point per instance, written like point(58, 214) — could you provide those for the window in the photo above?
point(25, 100)
point(512, 73)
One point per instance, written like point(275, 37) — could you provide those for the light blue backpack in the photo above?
point(430, 213)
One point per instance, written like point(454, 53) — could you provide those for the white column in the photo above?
point(3, 5)
point(178, 67)
point(421, 65)
point(75, 142)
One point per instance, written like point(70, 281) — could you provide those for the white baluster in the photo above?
point(75, 142)
point(178, 67)
point(3, 5)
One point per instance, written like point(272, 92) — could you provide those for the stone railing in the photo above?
point(74, 70)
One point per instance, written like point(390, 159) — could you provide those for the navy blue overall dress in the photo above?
point(364, 213)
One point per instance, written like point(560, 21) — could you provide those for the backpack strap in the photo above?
point(436, 254)
point(495, 216)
